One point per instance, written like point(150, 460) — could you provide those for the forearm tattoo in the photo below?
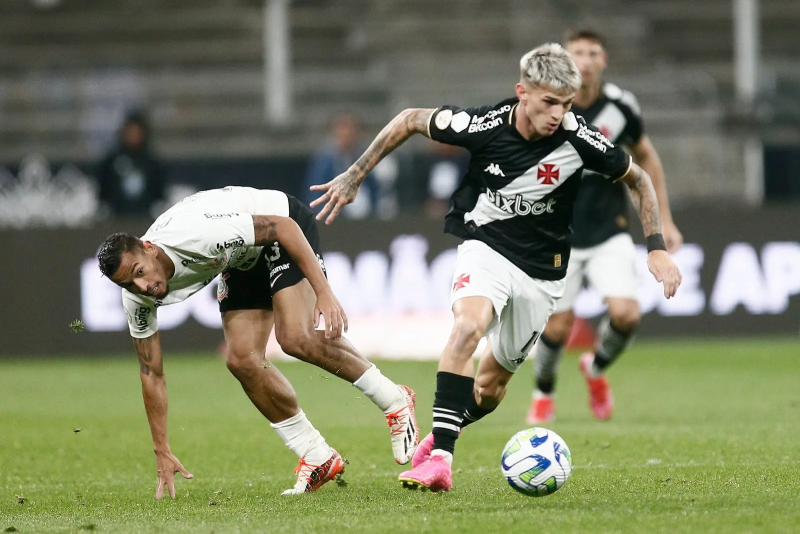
point(393, 135)
point(266, 229)
point(643, 195)
point(144, 356)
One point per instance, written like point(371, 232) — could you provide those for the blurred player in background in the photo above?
point(602, 249)
point(513, 208)
point(265, 245)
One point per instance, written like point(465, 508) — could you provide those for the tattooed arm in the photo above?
point(270, 229)
point(644, 198)
point(647, 157)
point(154, 393)
point(643, 195)
point(343, 189)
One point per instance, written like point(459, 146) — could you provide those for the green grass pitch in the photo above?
point(705, 439)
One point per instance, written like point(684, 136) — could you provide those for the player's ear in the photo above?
point(149, 248)
point(521, 94)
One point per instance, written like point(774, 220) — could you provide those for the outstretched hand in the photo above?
point(335, 319)
point(339, 192)
point(665, 271)
point(168, 465)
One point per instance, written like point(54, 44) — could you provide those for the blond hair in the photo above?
point(550, 66)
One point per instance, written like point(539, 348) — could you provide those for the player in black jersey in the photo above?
point(602, 249)
point(513, 209)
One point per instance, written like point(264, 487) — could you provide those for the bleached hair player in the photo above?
point(513, 210)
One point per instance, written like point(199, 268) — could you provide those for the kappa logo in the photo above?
point(494, 168)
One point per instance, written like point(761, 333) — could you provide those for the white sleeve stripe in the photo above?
point(446, 426)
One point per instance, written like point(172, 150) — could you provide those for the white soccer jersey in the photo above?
point(203, 234)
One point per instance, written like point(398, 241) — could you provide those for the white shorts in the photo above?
point(522, 304)
point(610, 268)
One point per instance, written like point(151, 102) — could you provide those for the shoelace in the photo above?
point(395, 420)
point(305, 468)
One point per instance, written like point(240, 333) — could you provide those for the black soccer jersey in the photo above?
point(517, 195)
point(601, 209)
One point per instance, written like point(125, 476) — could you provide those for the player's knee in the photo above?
point(490, 393)
point(625, 318)
point(558, 327)
point(295, 342)
point(240, 362)
point(467, 332)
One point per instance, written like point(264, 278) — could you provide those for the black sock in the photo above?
point(548, 357)
point(453, 394)
point(610, 343)
point(474, 413)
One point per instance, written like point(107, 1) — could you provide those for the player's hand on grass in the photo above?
point(335, 318)
point(673, 237)
point(665, 271)
point(168, 465)
point(339, 192)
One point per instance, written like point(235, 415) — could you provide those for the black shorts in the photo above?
point(274, 270)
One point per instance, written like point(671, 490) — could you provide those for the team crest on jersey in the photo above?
point(461, 281)
point(548, 174)
point(222, 287)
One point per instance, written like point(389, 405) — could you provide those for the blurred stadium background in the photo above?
point(244, 92)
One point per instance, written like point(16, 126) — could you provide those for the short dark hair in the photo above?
point(585, 33)
point(110, 254)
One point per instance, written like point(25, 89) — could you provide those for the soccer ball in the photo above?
point(536, 462)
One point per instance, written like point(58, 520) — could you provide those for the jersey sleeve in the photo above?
point(465, 127)
point(598, 153)
point(141, 314)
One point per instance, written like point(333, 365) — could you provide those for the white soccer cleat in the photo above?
point(311, 477)
point(403, 424)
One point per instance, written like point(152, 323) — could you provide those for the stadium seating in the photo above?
point(67, 73)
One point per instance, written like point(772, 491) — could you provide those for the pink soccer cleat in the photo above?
point(542, 411)
point(435, 474)
point(601, 399)
point(423, 451)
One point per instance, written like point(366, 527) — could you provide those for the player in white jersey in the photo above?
point(265, 246)
point(602, 249)
point(513, 208)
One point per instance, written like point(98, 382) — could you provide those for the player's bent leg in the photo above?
point(548, 351)
point(454, 394)
point(294, 330)
point(246, 334)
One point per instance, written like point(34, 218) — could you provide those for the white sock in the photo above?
point(448, 456)
point(538, 394)
point(303, 439)
point(380, 390)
